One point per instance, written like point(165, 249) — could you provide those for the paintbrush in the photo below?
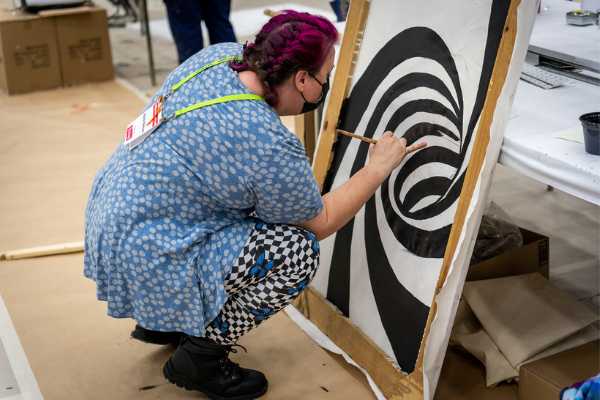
point(364, 139)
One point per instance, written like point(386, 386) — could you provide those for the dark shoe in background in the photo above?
point(202, 365)
point(156, 337)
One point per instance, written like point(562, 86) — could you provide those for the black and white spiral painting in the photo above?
point(423, 72)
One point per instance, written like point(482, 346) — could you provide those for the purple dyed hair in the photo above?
point(289, 42)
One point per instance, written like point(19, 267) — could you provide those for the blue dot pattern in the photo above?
point(166, 221)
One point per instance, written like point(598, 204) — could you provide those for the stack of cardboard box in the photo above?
point(545, 378)
point(47, 52)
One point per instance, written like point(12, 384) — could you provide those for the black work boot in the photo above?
point(156, 337)
point(199, 364)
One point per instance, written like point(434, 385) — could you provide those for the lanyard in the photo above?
point(151, 119)
point(224, 99)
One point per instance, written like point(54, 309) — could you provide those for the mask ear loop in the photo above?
point(306, 101)
point(322, 90)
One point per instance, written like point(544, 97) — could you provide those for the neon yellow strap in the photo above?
point(212, 64)
point(224, 99)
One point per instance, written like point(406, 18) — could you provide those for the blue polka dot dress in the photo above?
point(166, 221)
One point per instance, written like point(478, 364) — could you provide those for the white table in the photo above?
point(528, 145)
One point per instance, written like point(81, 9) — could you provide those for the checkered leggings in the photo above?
point(275, 266)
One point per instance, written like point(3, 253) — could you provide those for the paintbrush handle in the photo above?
point(356, 136)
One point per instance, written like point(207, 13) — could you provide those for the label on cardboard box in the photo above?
point(143, 125)
point(86, 50)
point(33, 56)
point(84, 47)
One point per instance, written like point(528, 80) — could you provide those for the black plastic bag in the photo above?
point(497, 234)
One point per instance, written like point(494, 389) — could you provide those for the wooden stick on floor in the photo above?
point(55, 249)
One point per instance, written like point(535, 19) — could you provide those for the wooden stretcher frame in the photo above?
point(344, 333)
point(305, 128)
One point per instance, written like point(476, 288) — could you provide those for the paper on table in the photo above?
point(574, 134)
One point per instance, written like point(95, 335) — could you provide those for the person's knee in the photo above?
point(293, 249)
point(308, 252)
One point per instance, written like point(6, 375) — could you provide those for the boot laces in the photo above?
point(228, 366)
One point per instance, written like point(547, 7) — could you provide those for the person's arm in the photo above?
point(342, 203)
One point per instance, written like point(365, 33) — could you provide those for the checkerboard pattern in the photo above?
point(275, 266)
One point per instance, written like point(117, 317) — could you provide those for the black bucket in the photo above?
point(591, 132)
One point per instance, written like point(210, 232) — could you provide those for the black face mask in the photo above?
point(308, 106)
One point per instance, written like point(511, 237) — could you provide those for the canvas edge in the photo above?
point(521, 18)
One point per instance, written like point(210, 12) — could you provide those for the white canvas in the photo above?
point(423, 71)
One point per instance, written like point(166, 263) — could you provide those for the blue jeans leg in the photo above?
point(216, 18)
point(184, 21)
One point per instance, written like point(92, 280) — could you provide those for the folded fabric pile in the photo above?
point(507, 322)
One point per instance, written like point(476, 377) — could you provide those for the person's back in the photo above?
point(184, 190)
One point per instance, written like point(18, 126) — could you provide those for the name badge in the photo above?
point(144, 125)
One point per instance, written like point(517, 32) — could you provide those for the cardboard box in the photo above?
point(84, 47)
point(545, 378)
point(533, 256)
point(463, 378)
point(28, 53)
point(39, 53)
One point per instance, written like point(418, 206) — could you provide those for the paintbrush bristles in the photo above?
point(364, 139)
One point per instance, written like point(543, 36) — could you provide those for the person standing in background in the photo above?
point(185, 17)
